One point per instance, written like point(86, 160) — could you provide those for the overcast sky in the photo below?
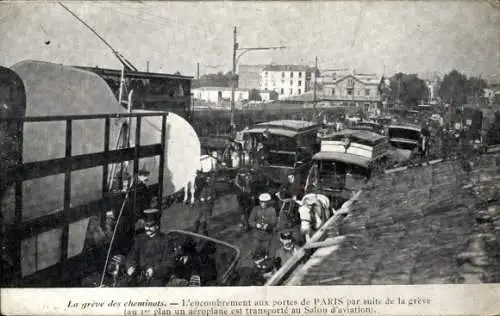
point(405, 36)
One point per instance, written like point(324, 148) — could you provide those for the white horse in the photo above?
point(314, 211)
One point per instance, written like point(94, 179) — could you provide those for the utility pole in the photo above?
point(147, 66)
point(244, 50)
point(315, 84)
point(198, 71)
point(233, 76)
point(399, 91)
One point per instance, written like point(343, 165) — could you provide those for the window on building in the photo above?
point(265, 74)
point(282, 91)
point(300, 74)
point(282, 75)
point(333, 91)
point(367, 92)
point(282, 81)
point(349, 91)
point(300, 83)
point(291, 91)
point(291, 74)
point(291, 82)
point(300, 91)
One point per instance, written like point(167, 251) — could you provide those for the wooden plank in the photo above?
point(292, 263)
point(50, 118)
point(44, 223)
point(137, 151)
point(105, 170)
point(50, 167)
point(67, 203)
point(18, 205)
point(162, 161)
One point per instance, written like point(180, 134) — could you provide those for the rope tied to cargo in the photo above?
point(115, 230)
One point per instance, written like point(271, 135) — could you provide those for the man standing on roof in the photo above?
point(150, 260)
point(263, 220)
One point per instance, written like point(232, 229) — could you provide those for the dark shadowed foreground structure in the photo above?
point(435, 224)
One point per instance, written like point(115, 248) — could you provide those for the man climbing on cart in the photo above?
point(289, 196)
point(289, 191)
point(150, 261)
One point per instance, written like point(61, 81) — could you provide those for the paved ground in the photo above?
point(224, 224)
point(427, 225)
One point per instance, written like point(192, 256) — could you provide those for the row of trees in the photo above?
point(454, 88)
point(408, 89)
point(219, 79)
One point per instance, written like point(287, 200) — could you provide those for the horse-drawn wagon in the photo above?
point(408, 141)
point(282, 148)
point(369, 126)
point(345, 162)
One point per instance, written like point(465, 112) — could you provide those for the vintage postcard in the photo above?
point(250, 158)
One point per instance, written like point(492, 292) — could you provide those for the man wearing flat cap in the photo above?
point(288, 247)
point(150, 258)
point(263, 221)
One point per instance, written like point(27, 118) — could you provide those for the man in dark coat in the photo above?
point(205, 201)
point(143, 194)
point(244, 184)
point(150, 259)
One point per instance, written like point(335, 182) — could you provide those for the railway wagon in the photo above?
point(64, 136)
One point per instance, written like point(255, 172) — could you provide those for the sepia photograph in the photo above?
point(243, 144)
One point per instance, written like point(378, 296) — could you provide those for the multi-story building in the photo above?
point(287, 80)
point(249, 76)
point(221, 96)
point(355, 90)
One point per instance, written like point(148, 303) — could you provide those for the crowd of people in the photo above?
point(271, 220)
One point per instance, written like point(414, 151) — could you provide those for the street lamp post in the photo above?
point(245, 50)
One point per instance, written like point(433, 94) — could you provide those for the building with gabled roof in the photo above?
point(355, 90)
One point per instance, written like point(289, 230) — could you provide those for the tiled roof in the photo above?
point(287, 68)
point(292, 124)
point(365, 79)
point(419, 226)
point(219, 89)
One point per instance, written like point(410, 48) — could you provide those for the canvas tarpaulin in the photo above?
point(53, 89)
